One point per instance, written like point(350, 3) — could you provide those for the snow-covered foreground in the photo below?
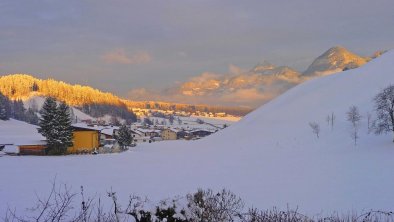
point(269, 158)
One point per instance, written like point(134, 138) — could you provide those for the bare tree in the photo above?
point(332, 120)
point(328, 119)
point(315, 128)
point(205, 205)
point(369, 119)
point(354, 117)
point(384, 107)
point(289, 215)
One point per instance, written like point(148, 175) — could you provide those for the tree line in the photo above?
point(22, 86)
point(16, 110)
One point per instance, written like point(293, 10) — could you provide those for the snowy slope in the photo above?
point(270, 158)
point(36, 102)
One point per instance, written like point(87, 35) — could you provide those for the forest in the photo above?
point(23, 86)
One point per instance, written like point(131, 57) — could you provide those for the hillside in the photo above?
point(270, 158)
point(23, 86)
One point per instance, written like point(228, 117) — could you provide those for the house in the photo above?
point(139, 137)
point(108, 132)
point(85, 139)
point(149, 132)
point(174, 134)
point(169, 134)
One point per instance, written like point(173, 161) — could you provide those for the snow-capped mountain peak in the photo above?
point(335, 59)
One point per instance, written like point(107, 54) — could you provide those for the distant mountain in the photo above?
point(258, 85)
point(261, 83)
point(334, 60)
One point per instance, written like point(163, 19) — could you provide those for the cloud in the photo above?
point(233, 69)
point(119, 56)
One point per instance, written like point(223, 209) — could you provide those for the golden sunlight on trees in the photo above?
point(23, 86)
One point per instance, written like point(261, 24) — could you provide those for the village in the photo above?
point(98, 136)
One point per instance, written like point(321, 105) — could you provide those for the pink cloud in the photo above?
point(119, 56)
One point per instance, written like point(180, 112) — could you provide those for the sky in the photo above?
point(120, 45)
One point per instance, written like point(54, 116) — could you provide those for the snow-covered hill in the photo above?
point(270, 158)
point(36, 102)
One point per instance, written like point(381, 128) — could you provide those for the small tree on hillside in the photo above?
point(171, 119)
point(384, 107)
point(124, 137)
point(354, 117)
point(328, 119)
point(147, 121)
point(332, 120)
point(115, 121)
point(315, 128)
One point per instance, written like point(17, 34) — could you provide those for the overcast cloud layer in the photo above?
point(120, 45)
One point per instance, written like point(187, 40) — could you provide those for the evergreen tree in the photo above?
point(147, 121)
point(18, 110)
point(34, 87)
point(171, 119)
point(4, 107)
point(124, 137)
point(48, 122)
point(64, 128)
point(31, 117)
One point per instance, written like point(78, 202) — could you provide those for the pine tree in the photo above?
point(31, 117)
point(64, 128)
point(18, 110)
point(124, 137)
point(55, 125)
point(4, 107)
point(47, 122)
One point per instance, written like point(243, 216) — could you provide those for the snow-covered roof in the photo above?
point(107, 130)
point(16, 132)
point(148, 130)
point(204, 130)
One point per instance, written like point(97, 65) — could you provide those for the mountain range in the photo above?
point(256, 86)
point(236, 93)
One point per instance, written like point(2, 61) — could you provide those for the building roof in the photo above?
point(107, 130)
